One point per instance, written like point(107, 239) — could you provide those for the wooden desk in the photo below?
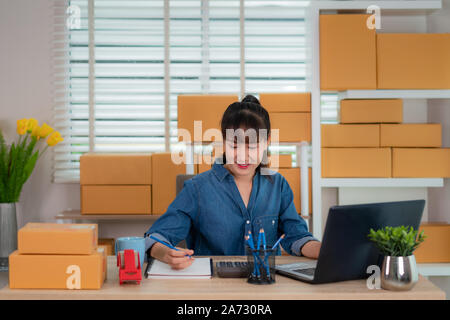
point(233, 289)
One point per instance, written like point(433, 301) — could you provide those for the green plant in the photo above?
point(18, 160)
point(397, 242)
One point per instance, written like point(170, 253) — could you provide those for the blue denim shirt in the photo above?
point(210, 214)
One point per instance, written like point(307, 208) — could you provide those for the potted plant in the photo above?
point(397, 244)
point(17, 162)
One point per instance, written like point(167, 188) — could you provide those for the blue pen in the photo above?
point(256, 255)
point(255, 268)
point(279, 240)
point(166, 244)
point(259, 239)
point(263, 239)
point(266, 256)
point(251, 238)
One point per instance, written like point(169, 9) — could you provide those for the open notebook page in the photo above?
point(199, 269)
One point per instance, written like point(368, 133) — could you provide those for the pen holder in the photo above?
point(261, 264)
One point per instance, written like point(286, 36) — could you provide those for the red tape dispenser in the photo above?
point(129, 266)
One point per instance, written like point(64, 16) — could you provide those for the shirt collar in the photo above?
point(219, 170)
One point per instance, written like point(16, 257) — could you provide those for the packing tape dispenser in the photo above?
point(129, 265)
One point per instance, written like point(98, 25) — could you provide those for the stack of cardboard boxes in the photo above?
point(361, 147)
point(371, 141)
point(290, 113)
point(352, 56)
point(57, 256)
point(115, 183)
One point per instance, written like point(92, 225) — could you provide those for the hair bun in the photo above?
point(251, 99)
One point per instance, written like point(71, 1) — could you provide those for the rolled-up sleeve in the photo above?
point(292, 224)
point(175, 224)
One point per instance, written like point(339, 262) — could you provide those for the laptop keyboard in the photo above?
point(309, 271)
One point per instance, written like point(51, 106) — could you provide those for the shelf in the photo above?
point(394, 94)
point(434, 269)
point(75, 215)
point(381, 182)
point(407, 6)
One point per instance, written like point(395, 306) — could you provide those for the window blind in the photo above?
point(144, 53)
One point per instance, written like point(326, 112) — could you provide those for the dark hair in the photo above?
point(248, 114)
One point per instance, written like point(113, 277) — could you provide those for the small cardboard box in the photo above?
point(165, 172)
point(108, 244)
point(292, 126)
point(55, 238)
point(347, 52)
point(356, 162)
point(208, 109)
point(293, 176)
point(35, 271)
point(115, 199)
point(371, 111)
point(350, 135)
point(411, 135)
point(436, 247)
point(413, 60)
point(115, 169)
point(286, 102)
point(421, 162)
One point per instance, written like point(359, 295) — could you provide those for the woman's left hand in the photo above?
point(311, 249)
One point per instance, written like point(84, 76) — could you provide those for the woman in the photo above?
point(217, 208)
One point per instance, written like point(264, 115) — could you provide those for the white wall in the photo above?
point(25, 73)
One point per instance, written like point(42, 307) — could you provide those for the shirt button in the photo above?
point(248, 221)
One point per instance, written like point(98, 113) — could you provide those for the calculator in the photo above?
point(232, 269)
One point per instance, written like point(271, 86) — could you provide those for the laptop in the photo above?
point(346, 251)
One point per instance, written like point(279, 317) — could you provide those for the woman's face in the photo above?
point(244, 153)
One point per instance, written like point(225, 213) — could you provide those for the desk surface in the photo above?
point(220, 288)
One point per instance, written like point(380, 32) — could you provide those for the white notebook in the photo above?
point(199, 269)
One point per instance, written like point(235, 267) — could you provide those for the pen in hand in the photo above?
point(167, 245)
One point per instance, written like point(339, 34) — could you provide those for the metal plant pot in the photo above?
point(399, 273)
point(8, 233)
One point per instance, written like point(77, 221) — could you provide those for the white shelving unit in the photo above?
point(386, 7)
point(381, 182)
point(394, 94)
point(434, 269)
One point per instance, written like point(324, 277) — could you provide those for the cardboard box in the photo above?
point(32, 271)
point(421, 162)
point(108, 244)
point(115, 199)
point(286, 102)
point(350, 135)
point(165, 173)
point(293, 127)
point(436, 247)
point(293, 176)
point(411, 135)
point(413, 60)
point(115, 169)
point(55, 238)
point(356, 162)
point(371, 111)
point(208, 109)
point(347, 52)
point(284, 161)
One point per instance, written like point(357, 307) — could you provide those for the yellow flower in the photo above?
point(45, 130)
point(32, 124)
point(54, 139)
point(42, 132)
point(22, 126)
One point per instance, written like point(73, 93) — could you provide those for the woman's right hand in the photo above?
point(176, 259)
